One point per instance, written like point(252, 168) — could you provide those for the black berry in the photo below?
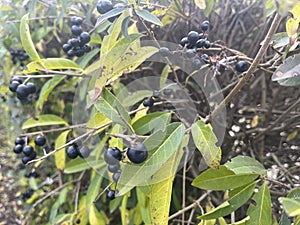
point(113, 167)
point(149, 102)
point(205, 25)
point(86, 48)
point(112, 156)
point(196, 64)
point(164, 51)
point(190, 53)
point(19, 141)
point(74, 42)
point(28, 150)
point(79, 52)
point(156, 94)
point(13, 86)
point(137, 152)
point(16, 79)
point(72, 152)
point(75, 20)
point(22, 91)
point(200, 43)
point(241, 66)
point(104, 6)
point(193, 37)
point(84, 37)
point(18, 149)
point(71, 53)
point(167, 91)
point(31, 87)
point(76, 30)
point(66, 47)
point(184, 41)
point(206, 44)
point(110, 194)
point(116, 176)
point(40, 140)
point(84, 152)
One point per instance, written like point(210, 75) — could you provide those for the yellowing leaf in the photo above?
point(200, 3)
point(254, 121)
point(292, 135)
point(60, 156)
point(95, 217)
point(43, 120)
point(27, 41)
point(205, 140)
point(291, 206)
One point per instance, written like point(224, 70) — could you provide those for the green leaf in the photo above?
point(291, 206)
point(240, 197)
point(152, 122)
point(27, 41)
point(280, 40)
point(245, 164)
point(205, 140)
point(146, 15)
point(222, 179)
point(209, 7)
point(43, 120)
point(160, 204)
point(93, 190)
point(46, 90)
point(52, 64)
point(125, 24)
point(261, 212)
point(60, 156)
point(134, 175)
point(287, 74)
point(110, 106)
point(61, 200)
point(143, 205)
point(79, 164)
point(111, 13)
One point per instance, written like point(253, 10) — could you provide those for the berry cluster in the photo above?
point(76, 150)
point(33, 174)
point(190, 44)
point(23, 90)
point(104, 6)
point(27, 194)
point(18, 54)
point(79, 45)
point(136, 153)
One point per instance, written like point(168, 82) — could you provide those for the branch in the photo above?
point(250, 71)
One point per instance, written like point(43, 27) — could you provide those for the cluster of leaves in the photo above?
point(98, 74)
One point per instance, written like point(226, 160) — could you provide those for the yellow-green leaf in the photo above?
point(95, 217)
point(205, 140)
point(291, 206)
point(52, 64)
point(27, 41)
point(200, 3)
point(60, 156)
point(43, 120)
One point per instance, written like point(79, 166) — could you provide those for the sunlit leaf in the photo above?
point(245, 164)
point(60, 156)
point(43, 120)
point(146, 15)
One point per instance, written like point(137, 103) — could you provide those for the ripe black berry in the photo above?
point(13, 86)
point(19, 141)
point(79, 52)
point(184, 41)
point(66, 47)
point(84, 37)
point(103, 6)
point(40, 140)
point(84, 152)
point(112, 156)
point(71, 53)
point(76, 30)
point(22, 91)
point(74, 42)
point(16, 79)
point(167, 91)
point(205, 25)
point(110, 194)
point(149, 102)
point(116, 176)
point(241, 66)
point(75, 20)
point(164, 51)
point(113, 167)
point(193, 37)
point(190, 53)
point(28, 150)
point(206, 44)
point(196, 64)
point(26, 159)
point(137, 152)
point(205, 57)
point(18, 149)
point(72, 152)
point(86, 48)
point(31, 87)
point(156, 94)
point(200, 43)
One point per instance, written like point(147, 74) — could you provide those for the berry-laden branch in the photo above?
point(252, 68)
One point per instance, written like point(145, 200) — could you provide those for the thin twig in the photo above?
point(250, 71)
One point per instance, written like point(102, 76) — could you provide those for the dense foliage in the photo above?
point(153, 112)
